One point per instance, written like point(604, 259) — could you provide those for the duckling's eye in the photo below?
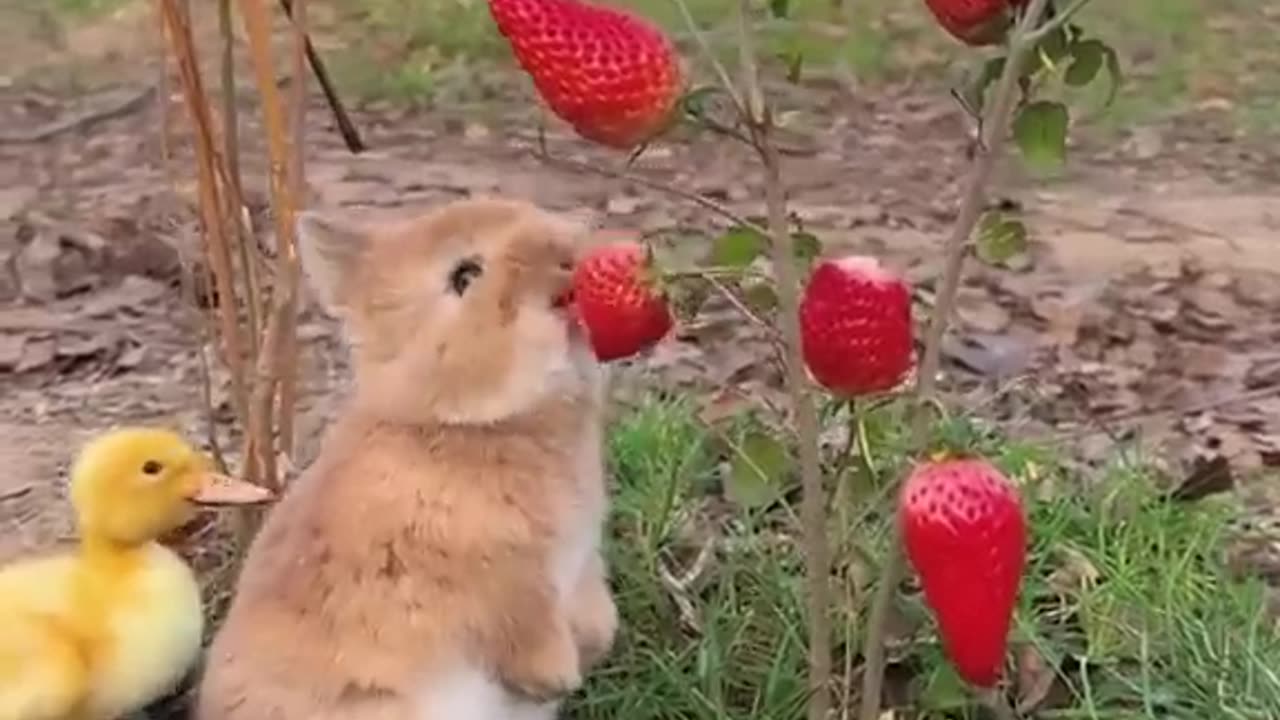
point(152, 467)
point(463, 273)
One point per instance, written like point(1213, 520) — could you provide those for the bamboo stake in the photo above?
point(273, 362)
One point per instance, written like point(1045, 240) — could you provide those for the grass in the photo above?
point(1126, 610)
point(1178, 53)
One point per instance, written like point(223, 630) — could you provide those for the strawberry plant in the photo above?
point(843, 326)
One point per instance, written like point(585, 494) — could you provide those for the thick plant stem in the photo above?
point(273, 357)
point(813, 511)
point(995, 127)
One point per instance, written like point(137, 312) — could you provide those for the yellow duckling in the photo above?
point(99, 632)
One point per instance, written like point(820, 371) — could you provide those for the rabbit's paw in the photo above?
point(546, 670)
point(594, 618)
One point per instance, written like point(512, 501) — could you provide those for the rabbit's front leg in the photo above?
point(593, 616)
point(538, 654)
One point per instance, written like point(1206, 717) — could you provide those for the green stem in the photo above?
point(1062, 18)
point(957, 243)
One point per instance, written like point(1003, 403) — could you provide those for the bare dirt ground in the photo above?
point(1147, 314)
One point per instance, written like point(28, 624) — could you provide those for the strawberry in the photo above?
point(855, 326)
point(611, 75)
point(963, 530)
point(622, 312)
point(975, 22)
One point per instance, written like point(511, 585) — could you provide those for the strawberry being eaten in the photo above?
point(622, 310)
point(611, 75)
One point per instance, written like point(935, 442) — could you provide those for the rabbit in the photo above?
point(441, 557)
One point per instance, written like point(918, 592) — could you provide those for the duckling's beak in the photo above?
point(219, 489)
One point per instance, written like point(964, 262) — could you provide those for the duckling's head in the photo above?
point(132, 485)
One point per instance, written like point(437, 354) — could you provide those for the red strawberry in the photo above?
point(855, 326)
point(962, 526)
point(612, 76)
point(975, 22)
point(622, 312)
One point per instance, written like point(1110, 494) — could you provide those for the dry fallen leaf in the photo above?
point(36, 353)
point(1034, 679)
point(11, 345)
point(1075, 574)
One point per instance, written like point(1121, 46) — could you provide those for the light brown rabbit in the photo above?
point(440, 559)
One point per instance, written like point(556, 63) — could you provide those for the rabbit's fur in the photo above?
point(440, 559)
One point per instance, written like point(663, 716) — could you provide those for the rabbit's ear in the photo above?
point(330, 251)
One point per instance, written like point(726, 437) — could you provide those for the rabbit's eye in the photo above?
point(463, 273)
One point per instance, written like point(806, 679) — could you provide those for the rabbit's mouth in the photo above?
point(563, 300)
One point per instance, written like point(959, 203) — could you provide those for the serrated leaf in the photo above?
point(1088, 57)
point(1040, 129)
point(780, 8)
point(755, 474)
point(737, 247)
point(1000, 238)
point(806, 246)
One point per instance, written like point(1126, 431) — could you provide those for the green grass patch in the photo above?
point(1126, 606)
point(85, 8)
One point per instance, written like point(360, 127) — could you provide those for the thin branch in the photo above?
point(701, 39)
point(754, 107)
point(693, 197)
point(813, 510)
point(81, 120)
point(740, 306)
point(286, 367)
point(272, 360)
point(347, 128)
point(995, 129)
point(232, 179)
point(1057, 21)
point(217, 250)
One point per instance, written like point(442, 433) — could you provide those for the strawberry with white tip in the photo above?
point(855, 326)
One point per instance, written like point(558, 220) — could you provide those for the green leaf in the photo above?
point(795, 63)
point(737, 247)
point(973, 94)
point(780, 8)
point(1114, 72)
point(1088, 58)
point(755, 475)
point(1000, 238)
point(807, 246)
point(1041, 133)
point(1055, 45)
point(697, 102)
point(761, 296)
point(945, 690)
